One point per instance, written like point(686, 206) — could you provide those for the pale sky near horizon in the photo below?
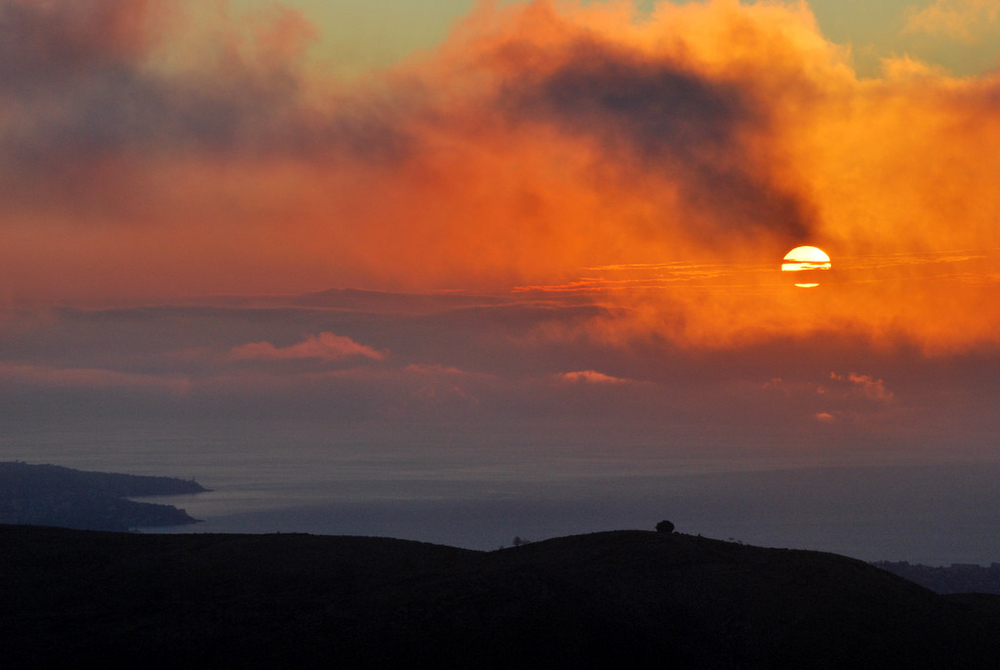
point(359, 35)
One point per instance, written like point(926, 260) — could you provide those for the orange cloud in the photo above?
point(865, 385)
point(590, 376)
point(538, 141)
point(325, 347)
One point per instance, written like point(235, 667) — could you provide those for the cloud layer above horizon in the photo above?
point(163, 148)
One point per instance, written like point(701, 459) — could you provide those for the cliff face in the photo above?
point(627, 597)
point(50, 495)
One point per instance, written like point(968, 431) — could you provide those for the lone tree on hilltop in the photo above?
point(665, 527)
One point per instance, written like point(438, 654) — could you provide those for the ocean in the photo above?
point(288, 479)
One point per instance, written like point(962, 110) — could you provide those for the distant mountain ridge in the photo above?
point(623, 598)
point(955, 578)
point(52, 495)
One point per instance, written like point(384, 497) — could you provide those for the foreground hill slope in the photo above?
point(592, 600)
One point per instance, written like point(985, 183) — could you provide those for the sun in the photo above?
point(808, 260)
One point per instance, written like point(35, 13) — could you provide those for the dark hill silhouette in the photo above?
point(619, 598)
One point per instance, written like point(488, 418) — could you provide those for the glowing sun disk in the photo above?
point(805, 258)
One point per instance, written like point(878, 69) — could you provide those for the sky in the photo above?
point(502, 237)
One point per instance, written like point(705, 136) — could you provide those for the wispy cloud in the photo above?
point(590, 377)
point(966, 20)
point(865, 385)
point(325, 347)
point(89, 378)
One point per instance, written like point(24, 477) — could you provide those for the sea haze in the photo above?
point(288, 480)
point(888, 512)
point(470, 419)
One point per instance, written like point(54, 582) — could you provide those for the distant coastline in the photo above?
point(956, 578)
point(52, 495)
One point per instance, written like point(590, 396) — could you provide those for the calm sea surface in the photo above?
point(286, 479)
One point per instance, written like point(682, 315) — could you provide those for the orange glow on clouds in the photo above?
point(538, 141)
point(325, 346)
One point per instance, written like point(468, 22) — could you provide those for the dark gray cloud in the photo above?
point(42, 43)
point(86, 105)
point(664, 119)
point(78, 86)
